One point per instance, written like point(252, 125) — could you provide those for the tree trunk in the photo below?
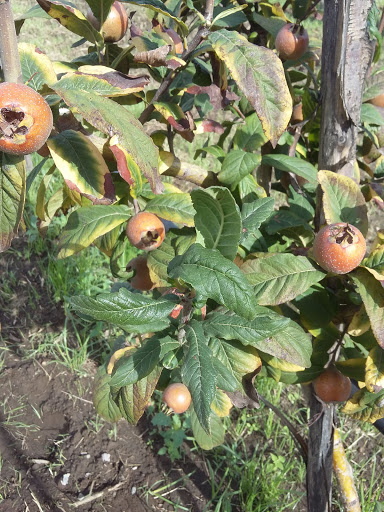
point(346, 54)
point(9, 53)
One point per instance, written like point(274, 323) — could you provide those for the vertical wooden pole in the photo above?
point(346, 54)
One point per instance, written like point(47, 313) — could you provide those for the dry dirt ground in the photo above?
point(55, 453)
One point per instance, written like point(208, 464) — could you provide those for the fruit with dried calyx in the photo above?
point(25, 119)
point(339, 247)
point(332, 386)
point(177, 397)
point(145, 231)
point(115, 26)
point(142, 279)
point(291, 41)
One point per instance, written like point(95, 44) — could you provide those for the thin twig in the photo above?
point(302, 445)
point(97, 495)
point(309, 11)
point(199, 37)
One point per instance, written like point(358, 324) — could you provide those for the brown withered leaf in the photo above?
point(173, 36)
point(115, 78)
point(154, 57)
point(209, 126)
point(250, 397)
point(219, 98)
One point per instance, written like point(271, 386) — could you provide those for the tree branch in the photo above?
point(200, 35)
point(9, 53)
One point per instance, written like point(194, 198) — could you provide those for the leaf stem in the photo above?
point(9, 52)
point(202, 32)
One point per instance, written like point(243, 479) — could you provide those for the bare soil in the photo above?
point(55, 453)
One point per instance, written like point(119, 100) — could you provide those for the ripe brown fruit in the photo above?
point(145, 231)
point(115, 26)
point(332, 386)
point(177, 397)
point(291, 42)
point(142, 279)
point(297, 113)
point(339, 248)
point(378, 100)
point(25, 119)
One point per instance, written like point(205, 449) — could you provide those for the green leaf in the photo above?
point(292, 164)
point(36, 67)
point(82, 166)
point(204, 440)
point(269, 332)
point(365, 406)
point(214, 277)
point(292, 344)
point(174, 207)
point(249, 137)
point(229, 326)
point(237, 164)
point(286, 219)
point(371, 115)
point(239, 360)
point(317, 307)
point(217, 220)
point(264, 86)
point(100, 8)
point(253, 214)
point(234, 20)
point(101, 80)
point(133, 312)
point(198, 373)
point(103, 401)
point(106, 243)
point(372, 294)
point(225, 379)
point(374, 263)
point(123, 128)
point(250, 190)
point(271, 25)
point(34, 12)
point(72, 19)
point(374, 86)
point(87, 224)
point(176, 242)
point(300, 206)
point(281, 277)
point(12, 197)
point(137, 364)
point(160, 7)
point(374, 370)
point(343, 200)
point(34, 173)
point(123, 252)
point(133, 399)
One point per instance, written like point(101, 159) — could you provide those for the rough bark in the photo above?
point(9, 54)
point(346, 54)
point(320, 457)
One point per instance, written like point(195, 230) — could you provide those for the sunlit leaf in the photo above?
point(12, 197)
point(264, 86)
